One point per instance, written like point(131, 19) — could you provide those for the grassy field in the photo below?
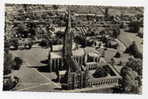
point(127, 38)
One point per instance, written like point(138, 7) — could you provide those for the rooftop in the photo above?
point(58, 54)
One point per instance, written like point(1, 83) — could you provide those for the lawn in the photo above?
point(128, 37)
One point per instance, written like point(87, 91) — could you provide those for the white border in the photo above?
point(45, 95)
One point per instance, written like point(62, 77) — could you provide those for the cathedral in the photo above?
point(74, 66)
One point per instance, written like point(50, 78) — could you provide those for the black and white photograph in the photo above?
point(73, 48)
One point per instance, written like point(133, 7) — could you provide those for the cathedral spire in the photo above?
point(67, 48)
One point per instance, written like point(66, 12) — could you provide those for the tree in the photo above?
point(106, 13)
point(133, 50)
point(8, 62)
point(59, 34)
point(10, 82)
point(116, 31)
point(18, 62)
point(131, 76)
point(6, 44)
point(136, 65)
point(44, 43)
point(55, 7)
point(134, 26)
point(21, 30)
point(129, 83)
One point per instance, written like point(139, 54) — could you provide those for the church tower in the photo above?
point(67, 44)
point(74, 76)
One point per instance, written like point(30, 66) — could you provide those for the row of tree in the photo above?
point(10, 63)
point(131, 81)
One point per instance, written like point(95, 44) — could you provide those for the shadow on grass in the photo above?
point(44, 61)
point(55, 80)
point(58, 89)
point(41, 68)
